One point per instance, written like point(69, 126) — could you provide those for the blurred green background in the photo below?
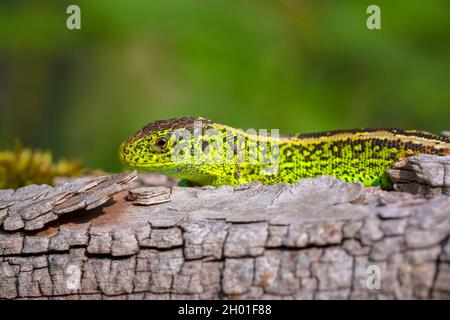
point(299, 66)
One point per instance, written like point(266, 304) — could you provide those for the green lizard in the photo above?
point(216, 154)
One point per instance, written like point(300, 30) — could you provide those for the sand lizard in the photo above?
point(350, 155)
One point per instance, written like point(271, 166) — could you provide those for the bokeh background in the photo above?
point(299, 66)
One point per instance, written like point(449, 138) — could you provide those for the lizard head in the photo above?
point(163, 146)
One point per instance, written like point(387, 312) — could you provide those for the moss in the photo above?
point(23, 166)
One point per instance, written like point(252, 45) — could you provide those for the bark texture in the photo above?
point(318, 239)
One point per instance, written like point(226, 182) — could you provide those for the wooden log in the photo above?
point(318, 239)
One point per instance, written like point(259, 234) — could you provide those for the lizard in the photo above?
point(217, 154)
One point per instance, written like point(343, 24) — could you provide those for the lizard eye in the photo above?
point(161, 142)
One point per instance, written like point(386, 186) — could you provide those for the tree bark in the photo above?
point(318, 239)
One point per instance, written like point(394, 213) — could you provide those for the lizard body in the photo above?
point(216, 154)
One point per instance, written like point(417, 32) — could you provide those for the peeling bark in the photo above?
point(424, 174)
point(312, 240)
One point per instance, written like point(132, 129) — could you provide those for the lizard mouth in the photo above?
point(128, 160)
point(151, 165)
point(139, 160)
